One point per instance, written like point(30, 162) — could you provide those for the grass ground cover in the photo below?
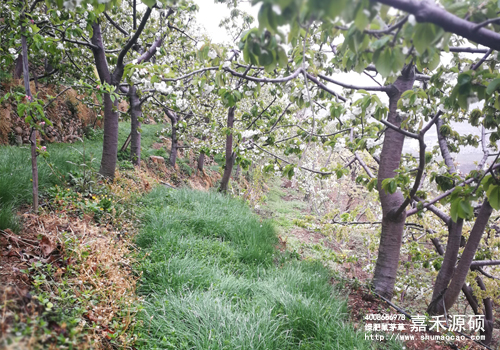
point(212, 279)
point(15, 168)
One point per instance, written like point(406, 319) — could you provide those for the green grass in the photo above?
point(212, 279)
point(15, 169)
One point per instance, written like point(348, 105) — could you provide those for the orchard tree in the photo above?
point(405, 47)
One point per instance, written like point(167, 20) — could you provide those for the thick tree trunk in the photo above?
point(175, 146)
point(201, 157)
point(110, 144)
point(436, 306)
point(470, 249)
point(174, 119)
point(386, 267)
point(447, 268)
point(18, 70)
point(26, 75)
point(201, 161)
point(135, 135)
point(488, 315)
point(229, 153)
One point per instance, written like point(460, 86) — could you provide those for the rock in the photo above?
point(18, 130)
point(19, 140)
point(157, 159)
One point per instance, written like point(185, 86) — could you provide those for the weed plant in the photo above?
point(212, 279)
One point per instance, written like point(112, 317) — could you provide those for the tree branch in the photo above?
point(363, 164)
point(481, 61)
point(131, 42)
point(478, 263)
point(426, 11)
point(277, 121)
point(467, 49)
point(355, 87)
point(116, 25)
point(324, 87)
point(485, 23)
point(286, 161)
point(54, 98)
point(190, 74)
point(261, 113)
point(395, 128)
point(265, 80)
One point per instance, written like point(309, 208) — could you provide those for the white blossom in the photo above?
point(212, 54)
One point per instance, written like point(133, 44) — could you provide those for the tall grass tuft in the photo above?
point(212, 279)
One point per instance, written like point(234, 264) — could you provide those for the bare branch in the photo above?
point(485, 23)
point(324, 87)
point(467, 49)
point(261, 113)
point(387, 30)
point(286, 161)
point(481, 61)
point(53, 99)
point(485, 263)
point(190, 74)
point(363, 164)
point(282, 114)
point(265, 80)
point(116, 25)
point(486, 273)
point(395, 128)
point(82, 43)
point(355, 87)
point(133, 40)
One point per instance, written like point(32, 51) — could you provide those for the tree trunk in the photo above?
point(445, 274)
point(470, 249)
point(447, 268)
point(110, 144)
point(386, 267)
point(229, 152)
point(18, 70)
point(201, 161)
point(201, 158)
point(26, 75)
point(175, 146)
point(135, 135)
point(488, 315)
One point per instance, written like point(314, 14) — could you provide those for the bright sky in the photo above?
point(210, 15)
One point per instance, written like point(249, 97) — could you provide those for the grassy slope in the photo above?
point(212, 279)
point(15, 169)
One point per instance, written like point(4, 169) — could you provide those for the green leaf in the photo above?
point(493, 195)
point(265, 58)
point(282, 57)
point(361, 20)
point(424, 35)
point(380, 43)
point(465, 209)
point(263, 16)
point(454, 209)
point(149, 3)
point(493, 86)
point(384, 62)
point(464, 79)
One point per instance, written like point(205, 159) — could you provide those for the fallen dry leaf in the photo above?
point(47, 246)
